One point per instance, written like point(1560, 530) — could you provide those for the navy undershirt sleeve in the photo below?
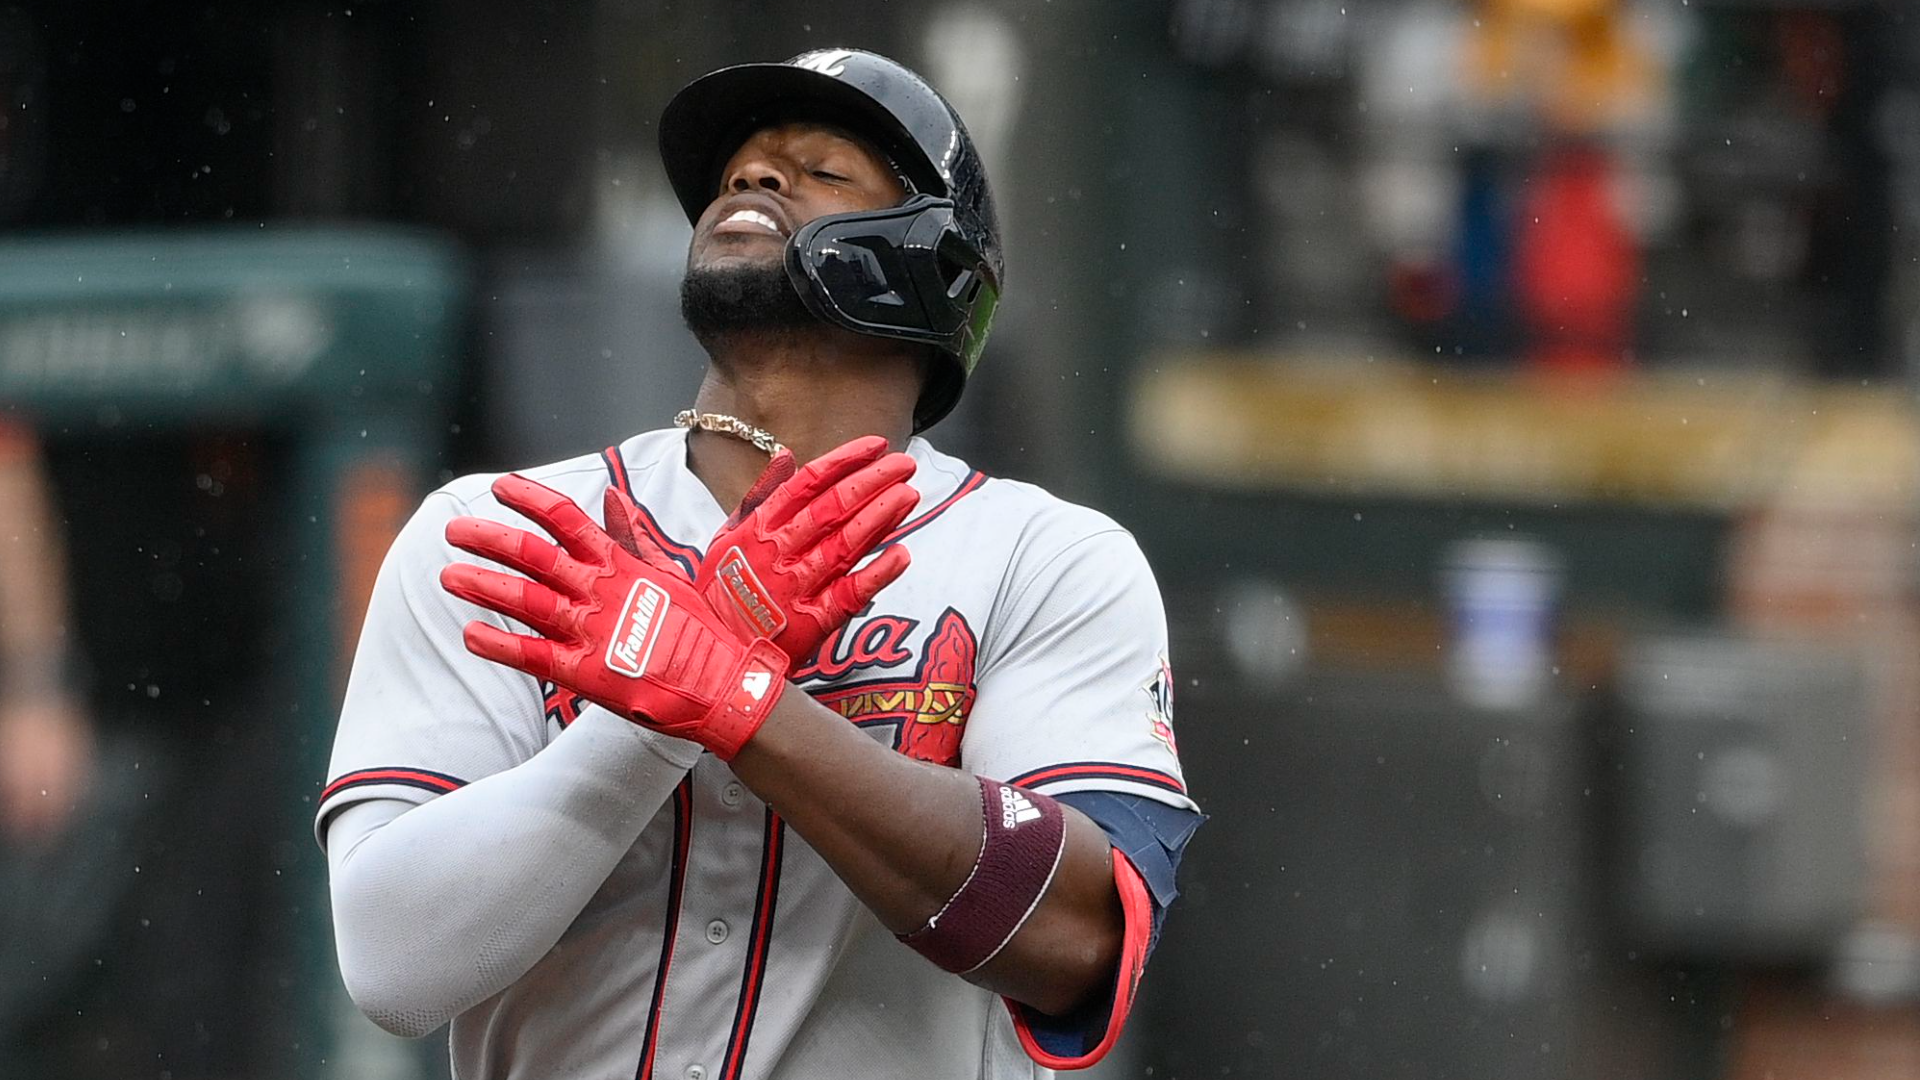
point(1149, 832)
point(1153, 836)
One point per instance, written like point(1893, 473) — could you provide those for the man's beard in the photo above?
point(741, 298)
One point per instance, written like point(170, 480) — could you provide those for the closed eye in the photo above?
point(832, 178)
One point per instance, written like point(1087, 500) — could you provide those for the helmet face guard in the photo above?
point(904, 272)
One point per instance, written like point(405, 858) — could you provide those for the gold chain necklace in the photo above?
point(722, 424)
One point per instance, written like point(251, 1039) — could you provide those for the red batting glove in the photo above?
point(627, 631)
point(782, 566)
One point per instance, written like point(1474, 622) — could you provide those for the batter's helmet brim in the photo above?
point(712, 116)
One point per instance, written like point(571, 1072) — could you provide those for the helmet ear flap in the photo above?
point(902, 272)
point(940, 393)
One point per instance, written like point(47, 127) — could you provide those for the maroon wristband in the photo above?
point(1025, 835)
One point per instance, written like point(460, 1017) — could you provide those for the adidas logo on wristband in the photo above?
point(1015, 809)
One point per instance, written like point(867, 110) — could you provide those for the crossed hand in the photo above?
point(617, 621)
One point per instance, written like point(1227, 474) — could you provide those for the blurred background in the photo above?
point(1515, 397)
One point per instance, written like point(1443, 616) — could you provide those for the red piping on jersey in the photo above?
point(563, 706)
point(688, 557)
point(420, 778)
point(1136, 908)
point(969, 485)
point(1099, 770)
point(754, 977)
point(617, 469)
point(670, 927)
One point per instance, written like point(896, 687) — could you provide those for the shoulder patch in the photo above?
point(1160, 706)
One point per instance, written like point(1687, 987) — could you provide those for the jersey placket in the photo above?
point(718, 949)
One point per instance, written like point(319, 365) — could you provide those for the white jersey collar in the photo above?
point(657, 476)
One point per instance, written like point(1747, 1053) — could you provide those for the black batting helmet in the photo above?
point(928, 270)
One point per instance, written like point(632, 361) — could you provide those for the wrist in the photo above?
point(631, 743)
point(752, 691)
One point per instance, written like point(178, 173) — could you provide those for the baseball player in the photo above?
point(679, 760)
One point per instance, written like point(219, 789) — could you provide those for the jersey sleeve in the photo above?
point(1074, 698)
point(422, 715)
point(1074, 692)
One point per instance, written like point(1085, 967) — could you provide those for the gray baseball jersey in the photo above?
point(1026, 643)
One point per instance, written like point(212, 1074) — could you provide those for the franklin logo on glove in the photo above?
point(744, 588)
point(628, 652)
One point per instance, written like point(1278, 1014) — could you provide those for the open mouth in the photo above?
point(748, 221)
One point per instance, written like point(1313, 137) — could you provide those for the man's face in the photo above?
point(779, 180)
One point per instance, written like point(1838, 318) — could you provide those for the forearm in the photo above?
point(442, 906)
point(903, 835)
point(33, 577)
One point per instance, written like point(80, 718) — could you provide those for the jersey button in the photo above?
point(716, 933)
point(696, 1072)
point(731, 794)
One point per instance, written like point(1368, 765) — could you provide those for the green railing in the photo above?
point(339, 344)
